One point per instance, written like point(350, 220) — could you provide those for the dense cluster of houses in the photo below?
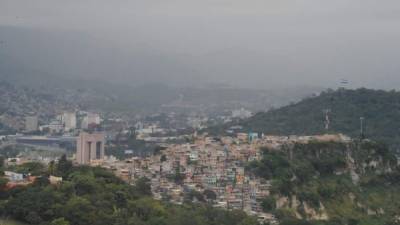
point(214, 168)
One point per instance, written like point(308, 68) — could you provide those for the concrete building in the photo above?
point(68, 119)
point(31, 123)
point(241, 113)
point(53, 127)
point(12, 176)
point(90, 147)
point(90, 118)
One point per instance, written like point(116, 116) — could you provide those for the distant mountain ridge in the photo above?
point(98, 73)
point(380, 110)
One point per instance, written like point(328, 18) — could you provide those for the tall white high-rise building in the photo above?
point(68, 119)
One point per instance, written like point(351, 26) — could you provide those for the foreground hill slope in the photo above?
point(331, 183)
point(381, 110)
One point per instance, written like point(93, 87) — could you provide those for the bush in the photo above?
point(268, 204)
point(313, 199)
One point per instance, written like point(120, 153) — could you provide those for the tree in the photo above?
point(268, 204)
point(1, 165)
point(63, 166)
point(41, 181)
point(33, 218)
point(1, 162)
point(210, 195)
point(3, 183)
point(143, 186)
point(52, 167)
point(84, 184)
point(249, 221)
point(146, 208)
point(304, 171)
point(33, 168)
point(79, 211)
point(60, 221)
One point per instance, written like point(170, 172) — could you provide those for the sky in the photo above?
point(246, 43)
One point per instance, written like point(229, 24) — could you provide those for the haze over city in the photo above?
point(200, 112)
point(255, 43)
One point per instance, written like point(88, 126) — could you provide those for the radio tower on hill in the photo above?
point(327, 120)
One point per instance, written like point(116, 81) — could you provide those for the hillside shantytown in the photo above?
point(205, 169)
point(212, 166)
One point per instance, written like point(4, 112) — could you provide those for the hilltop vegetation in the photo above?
point(381, 110)
point(332, 183)
point(95, 196)
point(10, 222)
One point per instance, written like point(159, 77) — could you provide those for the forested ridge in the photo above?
point(380, 110)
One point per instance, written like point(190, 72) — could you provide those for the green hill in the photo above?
point(330, 183)
point(381, 110)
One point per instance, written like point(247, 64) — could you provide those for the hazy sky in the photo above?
point(255, 43)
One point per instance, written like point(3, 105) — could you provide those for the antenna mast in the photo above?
point(327, 120)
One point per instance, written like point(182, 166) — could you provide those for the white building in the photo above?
point(68, 119)
point(241, 113)
point(54, 126)
point(14, 177)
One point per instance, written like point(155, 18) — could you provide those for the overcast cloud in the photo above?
point(252, 43)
